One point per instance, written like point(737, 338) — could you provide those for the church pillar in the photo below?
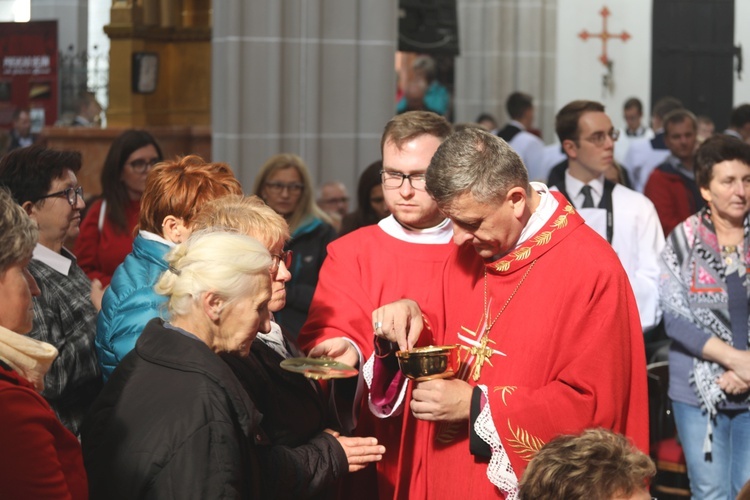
point(310, 77)
point(506, 47)
point(72, 22)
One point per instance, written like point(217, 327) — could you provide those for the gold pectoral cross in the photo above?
point(482, 354)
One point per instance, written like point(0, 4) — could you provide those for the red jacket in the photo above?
point(100, 252)
point(671, 196)
point(40, 458)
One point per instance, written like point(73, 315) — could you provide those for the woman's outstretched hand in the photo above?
point(360, 451)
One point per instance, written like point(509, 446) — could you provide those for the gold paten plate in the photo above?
point(319, 368)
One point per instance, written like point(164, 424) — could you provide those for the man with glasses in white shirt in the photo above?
point(626, 218)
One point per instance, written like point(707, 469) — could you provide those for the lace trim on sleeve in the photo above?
point(499, 471)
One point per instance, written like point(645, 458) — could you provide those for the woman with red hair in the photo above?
point(174, 192)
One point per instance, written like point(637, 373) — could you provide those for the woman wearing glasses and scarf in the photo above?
point(43, 181)
point(295, 411)
point(284, 184)
point(704, 291)
point(106, 236)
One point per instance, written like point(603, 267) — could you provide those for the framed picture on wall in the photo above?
point(145, 72)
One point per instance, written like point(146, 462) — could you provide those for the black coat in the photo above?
point(172, 422)
point(294, 415)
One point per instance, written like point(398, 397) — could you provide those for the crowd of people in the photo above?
point(147, 363)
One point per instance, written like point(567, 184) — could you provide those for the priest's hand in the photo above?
point(441, 399)
point(338, 349)
point(360, 451)
point(400, 322)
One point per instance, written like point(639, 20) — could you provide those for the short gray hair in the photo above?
point(19, 231)
point(230, 264)
point(476, 162)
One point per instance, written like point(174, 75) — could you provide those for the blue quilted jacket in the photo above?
point(130, 302)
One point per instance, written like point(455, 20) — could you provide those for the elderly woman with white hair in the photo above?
point(173, 421)
point(295, 412)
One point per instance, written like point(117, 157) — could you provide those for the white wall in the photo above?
point(742, 36)
point(579, 71)
point(98, 49)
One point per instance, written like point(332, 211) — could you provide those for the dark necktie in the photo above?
point(588, 201)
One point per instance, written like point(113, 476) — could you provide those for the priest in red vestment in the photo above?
point(402, 256)
point(546, 319)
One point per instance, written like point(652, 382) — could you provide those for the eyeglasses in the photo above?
point(599, 138)
point(285, 257)
point(394, 180)
point(71, 194)
point(279, 187)
point(141, 165)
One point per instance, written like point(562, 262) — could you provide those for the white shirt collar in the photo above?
point(547, 206)
point(148, 235)
point(517, 124)
point(573, 187)
point(57, 261)
point(437, 235)
point(733, 133)
point(275, 340)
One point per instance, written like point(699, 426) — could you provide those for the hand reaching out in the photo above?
point(338, 349)
point(360, 451)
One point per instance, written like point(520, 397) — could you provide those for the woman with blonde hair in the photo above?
point(284, 184)
point(174, 192)
point(173, 421)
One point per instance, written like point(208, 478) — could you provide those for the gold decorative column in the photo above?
point(179, 33)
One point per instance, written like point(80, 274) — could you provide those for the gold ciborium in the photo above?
point(431, 362)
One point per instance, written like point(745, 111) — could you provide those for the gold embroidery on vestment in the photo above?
point(524, 444)
point(560, 222)
point(505, 390)
point(543, 238)
point(502, 266)
point(522, 253)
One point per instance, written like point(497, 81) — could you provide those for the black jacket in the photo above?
point(295, 413)
point(174, 422)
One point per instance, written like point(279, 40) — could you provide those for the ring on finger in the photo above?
point(378, 325)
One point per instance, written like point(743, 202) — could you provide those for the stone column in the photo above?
point(72, 21)
point(311, 77)
point(506, 46)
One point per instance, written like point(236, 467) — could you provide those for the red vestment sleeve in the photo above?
point(341, 307)
point(364, 270)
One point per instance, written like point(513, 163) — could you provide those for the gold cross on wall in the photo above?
point(604, 35)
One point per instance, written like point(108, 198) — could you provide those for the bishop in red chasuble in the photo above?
point(551, 338)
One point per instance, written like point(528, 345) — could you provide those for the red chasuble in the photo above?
point(572, 352)
point(363, 271)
